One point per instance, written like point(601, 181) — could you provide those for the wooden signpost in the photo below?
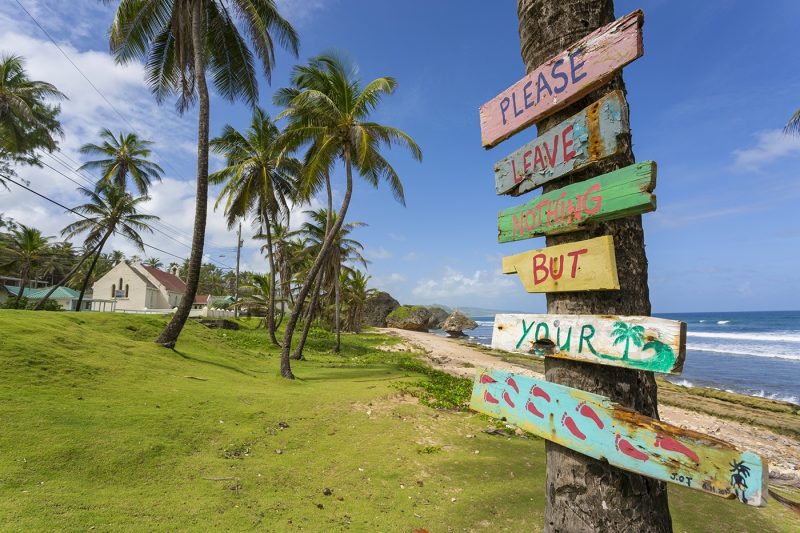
point(585, 422)
point(577, 266)
point(582, 139)
point(593, 425)
point(624, 192)
point(640, 342)
point(563, 79)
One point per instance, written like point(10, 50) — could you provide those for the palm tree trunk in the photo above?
point(286, 369)
point(23, 277)
point(312, 306)
point(271, 299)
point(298, 354)
point(65, 279)
point(91, 268)
point(584, 494)
point(337, 287)
point(169, 336)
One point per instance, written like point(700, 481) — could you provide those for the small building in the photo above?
point(137, 287)
point(65, 297)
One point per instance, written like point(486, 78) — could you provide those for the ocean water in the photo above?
point(754, 353)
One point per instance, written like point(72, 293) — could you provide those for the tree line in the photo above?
point(269, 170)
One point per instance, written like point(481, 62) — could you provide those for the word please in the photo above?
point(559, 78)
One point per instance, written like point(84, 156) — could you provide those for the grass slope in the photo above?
point(102, 428)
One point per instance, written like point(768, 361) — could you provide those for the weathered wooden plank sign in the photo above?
point(563, 79)
point(595, 426)
point(640, 342)
point(577, 266)
point(624, 192)
point(589, 136)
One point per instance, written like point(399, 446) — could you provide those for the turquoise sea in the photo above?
point(754, 353)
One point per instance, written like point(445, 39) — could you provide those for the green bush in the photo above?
point(25, 303)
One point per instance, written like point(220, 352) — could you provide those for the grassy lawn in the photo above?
point(103, 429)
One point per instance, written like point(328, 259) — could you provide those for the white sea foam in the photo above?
point(723, 321)
point(777, 336)
point(749, 351)
point(683, 383)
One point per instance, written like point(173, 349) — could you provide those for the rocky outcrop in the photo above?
point(411, 317)
point(456, 323)
point(438, 316)
point(377, 308)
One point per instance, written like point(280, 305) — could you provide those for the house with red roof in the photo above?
point(137, 287)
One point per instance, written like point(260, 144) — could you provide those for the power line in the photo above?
point(81, 214)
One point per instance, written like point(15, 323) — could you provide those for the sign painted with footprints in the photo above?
point(595, 426)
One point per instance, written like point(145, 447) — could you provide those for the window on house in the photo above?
point(126, 290)
point(113, 290)
point(120, 284)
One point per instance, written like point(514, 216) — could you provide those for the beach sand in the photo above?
point(782, 451)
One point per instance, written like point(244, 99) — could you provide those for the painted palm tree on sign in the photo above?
point(109, 210)
point(257, 179)
point(25, 249)
point(628, 334)
point(27, 121)
point(180, 41)
point(124, 156)
point(333, 118)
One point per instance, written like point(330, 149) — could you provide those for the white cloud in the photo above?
point(770, 146)
point(300, 12)
point(378, 253)
point(410, 256)
point(483, 284)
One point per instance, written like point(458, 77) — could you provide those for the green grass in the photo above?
point(100, 428)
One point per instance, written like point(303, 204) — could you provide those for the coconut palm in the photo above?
point(154, 262)
point(343, 250)
point(179, 41)
point(109, 210)
point(124, 156)
point(257, 179)
point(626, 333)
point(25, 249)
point(27, 122)
point(332, 118)
point(355, 294)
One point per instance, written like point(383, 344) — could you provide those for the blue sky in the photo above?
point(708, 100)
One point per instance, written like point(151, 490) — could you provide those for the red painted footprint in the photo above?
point(569, 423)
point(590, 413)
point(486, 378)
point(507, 398)
point(627, 448)
point(671, 445)
point(513, 384)
point(533, 410)
point(538, 392)
point(489, 398)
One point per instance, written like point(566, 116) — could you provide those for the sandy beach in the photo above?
point(458, 358)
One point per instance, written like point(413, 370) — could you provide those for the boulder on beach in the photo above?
point(438, 316)
point(456, 323)
point(377, 308)
point(411, 317)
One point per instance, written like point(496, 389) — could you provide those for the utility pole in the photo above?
point(238, 255)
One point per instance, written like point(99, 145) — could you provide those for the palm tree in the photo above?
point(122, 157)
point(355, 295)
point(343, 250)
point(258, 177)
point(27, 122)
point(256, 295)
point(333, 118)
point(25, 248)
point(109, 210)
point(793, 126)
point(179, 40)
point(626, 333)
point(117, 257)
point(154, 262)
